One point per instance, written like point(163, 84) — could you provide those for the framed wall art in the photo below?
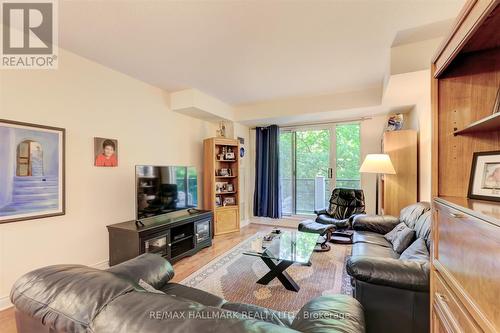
point(31, 171)
point(484, 180)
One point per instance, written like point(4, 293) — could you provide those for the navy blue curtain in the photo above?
point(266, 199)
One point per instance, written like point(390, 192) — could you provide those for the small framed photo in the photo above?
point(220, 187)
point(229, 187)
point(484, 183)
point(218, 201)
point(228, 201)
point(105, 152)
point(230, 155)
point(223, 172)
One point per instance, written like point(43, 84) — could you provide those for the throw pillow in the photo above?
point(400, 237)
point(149, 288)
point(416, 251)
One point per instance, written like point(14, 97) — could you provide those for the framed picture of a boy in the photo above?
point(105, 152)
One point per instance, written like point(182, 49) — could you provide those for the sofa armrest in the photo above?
point(335, 313)
point(152, 268)
point(403, 274)
point(380, 224)
point(320, 212)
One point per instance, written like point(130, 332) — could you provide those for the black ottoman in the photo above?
point(325, 230)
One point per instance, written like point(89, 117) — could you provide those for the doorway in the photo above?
point(315, 160)
point(29, 161)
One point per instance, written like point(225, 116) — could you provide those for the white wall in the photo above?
point(371, 143)
point(245, 178)
point(420, 119)
point(90, 100)
point(414, 89)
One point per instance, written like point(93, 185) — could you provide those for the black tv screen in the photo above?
point(165, 189)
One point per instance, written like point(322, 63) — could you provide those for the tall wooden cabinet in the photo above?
point(401, 189)
point(465, 253)
point(220, 183)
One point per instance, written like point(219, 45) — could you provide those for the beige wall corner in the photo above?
point(197, 104)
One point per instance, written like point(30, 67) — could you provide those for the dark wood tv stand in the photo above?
point(174, 236)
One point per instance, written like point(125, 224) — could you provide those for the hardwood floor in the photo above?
point(7, 321)
point(183, 268)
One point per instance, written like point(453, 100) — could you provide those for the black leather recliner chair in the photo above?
point(345, 203)
point(333, 222)
point(394, 292)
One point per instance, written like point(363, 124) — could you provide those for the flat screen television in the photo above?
point(165, 189)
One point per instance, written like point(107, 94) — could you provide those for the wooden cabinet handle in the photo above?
point(442, 298)
point(456, 215)
point(449, 322)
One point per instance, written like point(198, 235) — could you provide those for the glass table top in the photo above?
point(293, 246)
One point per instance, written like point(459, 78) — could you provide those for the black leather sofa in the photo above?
point(76, 298)
point(394, 292)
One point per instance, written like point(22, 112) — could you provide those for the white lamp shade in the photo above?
point(377, 163)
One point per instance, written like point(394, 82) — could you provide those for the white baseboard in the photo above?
point(101, 265)
point(283, 222)
point(5, 303)
point(244, 223)
point(5, 300)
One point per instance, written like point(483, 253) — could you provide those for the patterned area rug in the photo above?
point(233, 277)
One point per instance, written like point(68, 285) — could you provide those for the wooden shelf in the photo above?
point(487, 124)
point(222, 193)
point(226, 176)
point(488, 211)
point(227, 161)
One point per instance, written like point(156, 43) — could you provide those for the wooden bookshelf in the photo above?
point(465, 270)
point(226, 213)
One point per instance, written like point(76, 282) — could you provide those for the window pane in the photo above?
point(312, 159)
point(285, 165)
point(348, 156)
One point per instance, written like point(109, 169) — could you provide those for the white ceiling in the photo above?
point(246, 51)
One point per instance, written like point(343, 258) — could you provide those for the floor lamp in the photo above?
point(379, 164)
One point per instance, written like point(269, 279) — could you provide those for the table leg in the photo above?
point(278, 271)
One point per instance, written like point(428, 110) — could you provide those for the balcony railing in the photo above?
point(306, 193)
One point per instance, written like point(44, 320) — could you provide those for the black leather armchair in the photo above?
point(345, 203)
point(332, 223)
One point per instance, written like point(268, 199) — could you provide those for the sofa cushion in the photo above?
point(193, 294)
point(405, 274)
point(372, 250)
point(410, 214)
point(423, 226)
point(371, 238)
point(147, 312)
point(152, 268)
point(400, 237)
point(381, 224)
point(416, 251)
point(256, 312)
point(66, 298)
point(338, 313)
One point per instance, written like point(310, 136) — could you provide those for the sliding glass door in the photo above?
point(313, 161)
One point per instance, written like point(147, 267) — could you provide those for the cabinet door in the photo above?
point(227, 219)
point(202, 231)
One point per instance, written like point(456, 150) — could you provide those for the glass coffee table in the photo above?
point(286, 248)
